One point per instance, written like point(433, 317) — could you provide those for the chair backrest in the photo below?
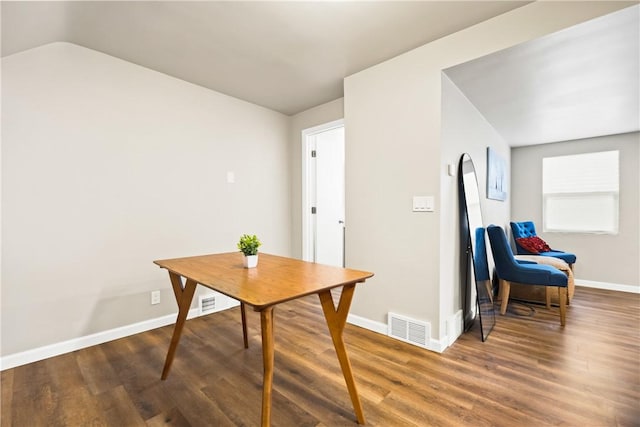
point(502, 255)
point(481, 266)
point(523, 229)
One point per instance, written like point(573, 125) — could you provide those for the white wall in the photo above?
point(612, 259)
point(392, 121)
point(107, 166)
point(464, 130)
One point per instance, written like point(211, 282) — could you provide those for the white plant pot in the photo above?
point(250, 261)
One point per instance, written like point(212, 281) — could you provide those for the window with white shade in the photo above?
point(580, 193)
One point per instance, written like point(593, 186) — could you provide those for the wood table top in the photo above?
point(276, 279)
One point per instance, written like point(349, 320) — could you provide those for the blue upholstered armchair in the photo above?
point(481, 265)
point(481, 268)
point(510, 270)
point(528, 229)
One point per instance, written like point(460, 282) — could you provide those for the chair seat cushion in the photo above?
point(555, 262)
point(537, 274)
point(567, 257)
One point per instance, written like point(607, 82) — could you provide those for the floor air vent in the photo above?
point(207, 304)
point(409, 330)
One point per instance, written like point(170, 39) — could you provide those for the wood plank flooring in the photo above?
point(530, 372)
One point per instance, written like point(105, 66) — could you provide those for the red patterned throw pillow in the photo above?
point(533, 244)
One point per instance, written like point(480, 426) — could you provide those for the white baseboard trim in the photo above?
point(371, 325)
point(609, 286)
point(454, 328)
point(437, 345)
point(45, 352)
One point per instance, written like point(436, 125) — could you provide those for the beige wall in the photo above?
point(464, 130)
point(108, 166)
point(319, 115)
point(392, 119)
point(601, 257)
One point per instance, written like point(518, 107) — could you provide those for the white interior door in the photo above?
point(330, 197)
point(324, 211)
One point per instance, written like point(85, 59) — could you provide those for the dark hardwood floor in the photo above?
point(530, 372)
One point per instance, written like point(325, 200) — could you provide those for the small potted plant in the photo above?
point(249, 245)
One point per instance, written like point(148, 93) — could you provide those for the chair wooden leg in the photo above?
point(547, 294)
point(505, 287)
point(488, 285)
point(562, 296)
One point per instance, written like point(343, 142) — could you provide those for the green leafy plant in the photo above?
point(249, 245)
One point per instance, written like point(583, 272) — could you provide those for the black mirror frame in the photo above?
point(483, 287)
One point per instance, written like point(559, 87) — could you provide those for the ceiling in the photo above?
point(286, 56)
point(577, 83)
point(291, 56)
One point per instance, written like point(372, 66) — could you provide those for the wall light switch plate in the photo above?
point(423, 204)
point(231, 177)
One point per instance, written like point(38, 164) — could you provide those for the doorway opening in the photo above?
point(323, 204)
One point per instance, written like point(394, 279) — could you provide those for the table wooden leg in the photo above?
point(336, 320)
point(184, 296)
point(266, 322)
point(243, 313)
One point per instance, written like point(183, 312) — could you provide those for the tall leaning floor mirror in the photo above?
point(476, 288)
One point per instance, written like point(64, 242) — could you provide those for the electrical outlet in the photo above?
point(155, 297)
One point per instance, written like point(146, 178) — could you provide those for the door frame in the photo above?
point(308, 189)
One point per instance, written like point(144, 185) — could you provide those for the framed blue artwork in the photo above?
point(496, 176)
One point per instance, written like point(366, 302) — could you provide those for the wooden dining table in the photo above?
point(275, 280)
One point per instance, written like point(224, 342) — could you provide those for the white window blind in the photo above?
point(580, 192)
